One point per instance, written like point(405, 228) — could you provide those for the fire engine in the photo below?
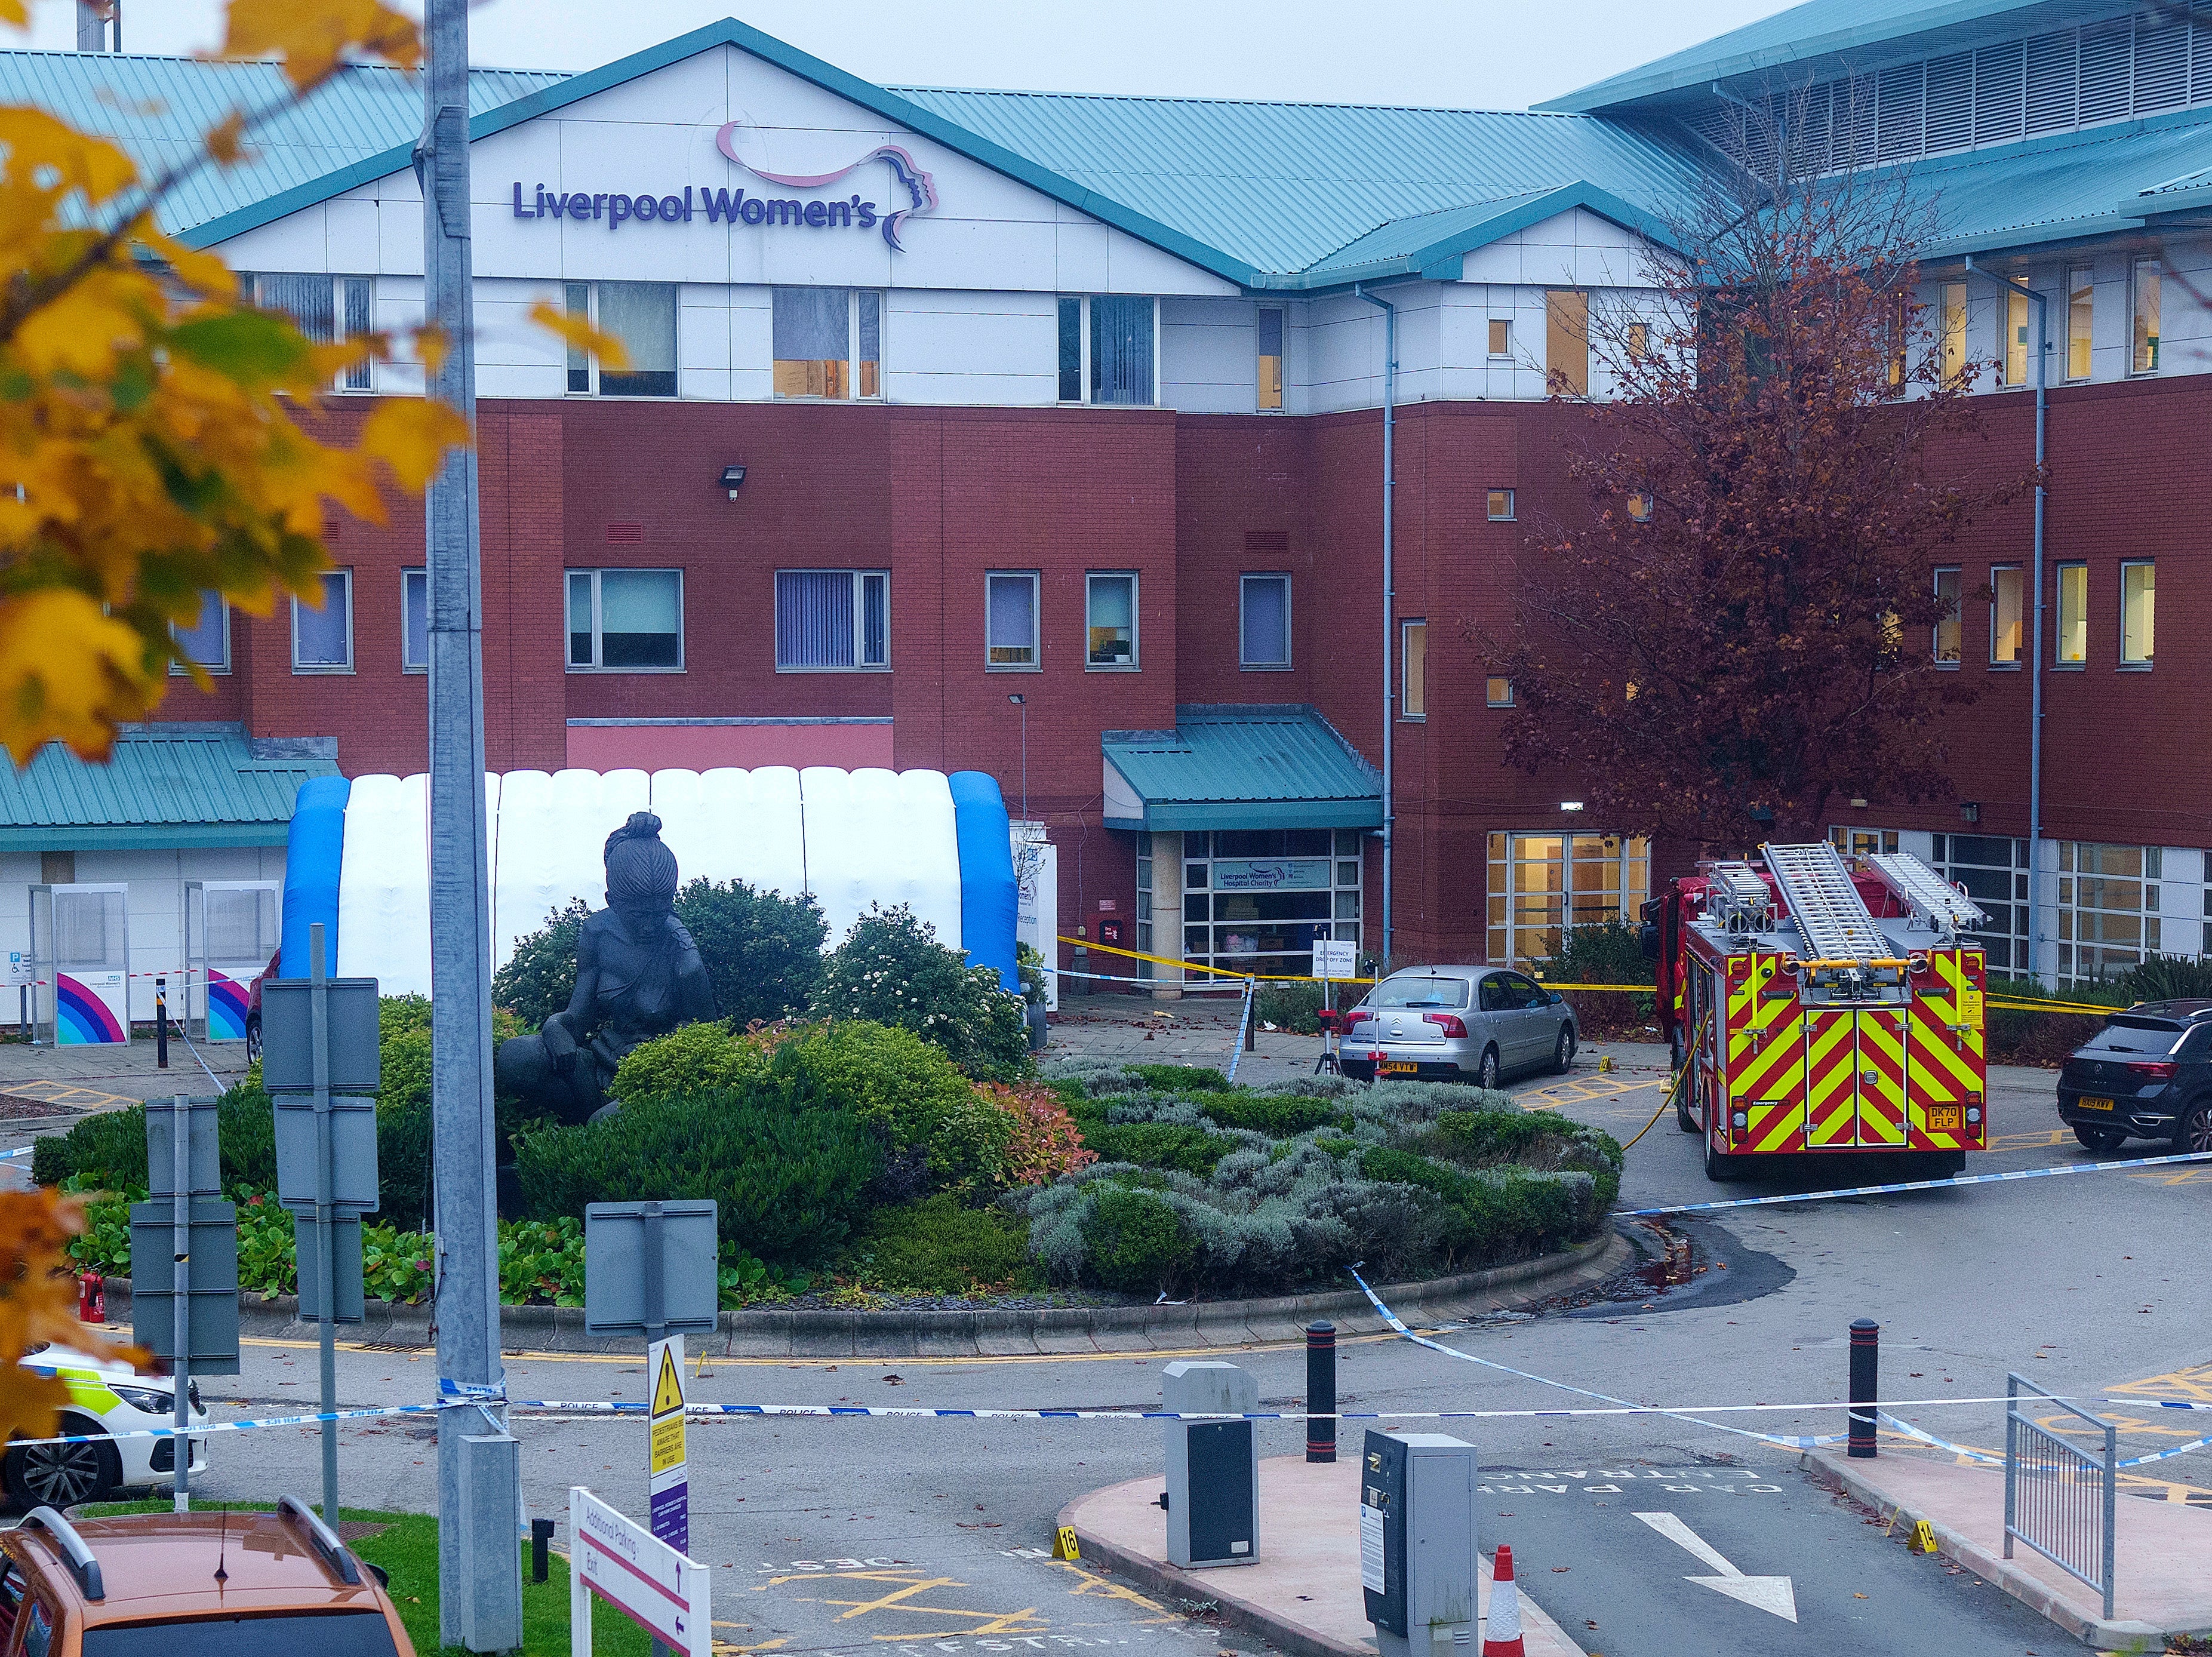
point(1814, 1007)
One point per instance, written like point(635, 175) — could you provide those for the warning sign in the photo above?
point(669, 1479)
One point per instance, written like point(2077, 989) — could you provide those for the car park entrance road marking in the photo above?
point(908, 1585)
point(1581, 1091)
point(1772, 1594)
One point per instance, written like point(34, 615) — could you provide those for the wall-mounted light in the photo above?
point(1859, 800)
point(733, 479)
point(1970, 811)
point(1571, 805)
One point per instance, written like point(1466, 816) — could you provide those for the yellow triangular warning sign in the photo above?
point(668, 1387)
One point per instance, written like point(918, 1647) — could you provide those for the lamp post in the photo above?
point(1022, 702)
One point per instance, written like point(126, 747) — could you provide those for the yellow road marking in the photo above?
point(1579, 1093)
point(910, 1584)
point(2192, 1384)
point(1099, 1588)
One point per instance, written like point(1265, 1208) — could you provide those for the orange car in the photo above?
point(190, 1585)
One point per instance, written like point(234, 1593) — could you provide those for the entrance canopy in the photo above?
point(1276, 766)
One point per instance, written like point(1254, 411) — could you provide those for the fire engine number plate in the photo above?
point(2095, 1104)
point(1943, 1118)
point(1400, 1067)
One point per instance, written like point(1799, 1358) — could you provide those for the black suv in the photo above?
point(2147, 1075)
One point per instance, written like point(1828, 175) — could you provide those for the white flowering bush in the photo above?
point(891, 968)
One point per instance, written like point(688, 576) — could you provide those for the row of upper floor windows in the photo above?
point(2011, 623)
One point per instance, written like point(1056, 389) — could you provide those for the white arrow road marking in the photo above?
point(1767, 1593)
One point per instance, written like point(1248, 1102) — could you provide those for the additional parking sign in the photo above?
point(665, 1593)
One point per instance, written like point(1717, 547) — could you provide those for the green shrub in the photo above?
point(1606, 952)
point(762, 950)
point(937, 1246)
point(891, 969)
point(696, 1059)
point(908, 1089)
point(2165, 978)
point(1137, 1241)
point(1156, 1145)
point(107, 1152)
point(1290, 1007)
point(540, 977)
point(1179, 1078)
point(1282, 1116)
point(788, 1172)
point(398, 1013)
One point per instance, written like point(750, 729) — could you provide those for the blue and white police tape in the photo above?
point(1990, 1458)
point(540, 1408)
point(2158, 1403)
point(1918, 1185)
point(1786, 1441)
point(202, 1429)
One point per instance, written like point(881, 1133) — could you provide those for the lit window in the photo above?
point(1639, 508)
point(1264, 622)
point(1949, 625)
point(1110, 621)
point(2006, 615)
point(1566, 343)
point(1271, 357)
point(832, 620)
point(2146, 284)
point(324, 308)
point(2081, 311)
point(415, 620)
point(813, 342)
point(1951, 322)
point(2072, 614)
point(1638, 341)
point(2138, 612)
point(206, 642)
point(1414, 665)
point(2013, 369)
point(1501, 506)
point(629, 619)
point(1501, 336)
point(1010, 620)
point(1497, 692)
point(322, 639)
point(641, 315)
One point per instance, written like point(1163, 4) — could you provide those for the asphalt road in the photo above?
point(926, 1536)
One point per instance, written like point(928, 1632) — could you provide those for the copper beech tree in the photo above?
point(1733, 634)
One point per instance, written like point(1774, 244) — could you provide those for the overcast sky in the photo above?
point(1461, 53)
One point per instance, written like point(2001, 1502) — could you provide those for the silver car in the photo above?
point(1458, 1024)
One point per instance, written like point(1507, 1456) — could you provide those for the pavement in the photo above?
point(1301, 1593)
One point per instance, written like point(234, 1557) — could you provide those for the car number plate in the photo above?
point(1398, 1067)
point(1944, 1119)
point(2095, 1104)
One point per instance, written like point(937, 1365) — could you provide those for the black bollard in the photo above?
point(161, 1023)
point(1321, 1391)
point(1866, 1385)
point(541, 1533)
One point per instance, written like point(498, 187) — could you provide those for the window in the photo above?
point(322, 640)
point(326, 308)
point(2144, 356)
point(415, 620)
point(832, 619)
point(2108, 908)
point(1948, 624)
point(1994, 871)
point(2012, 359)
point(2073, 615)
point(811, 328)
point(641, 315)
point(2005, 612)
point(1861, 842)
point(1639, 342)
point(2081, 311)
point(1639, 508)
point(1071, 351)
point(1501, 506)
point(1109, 611)
point(2138, 612)
point(1010, 620)
point(38, 1629)
point(1497, 691)
point(1271, 357)
point(625, 619)
point(868, 342)
point(206, 642)
point(1501, 336)
point(1413, 666)
point(1951, 322)
point(1541, 886)
point(1254, 899)
point(1264, 629)
point(1566, 343)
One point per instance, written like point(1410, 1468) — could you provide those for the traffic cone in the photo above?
point(1501, 1628)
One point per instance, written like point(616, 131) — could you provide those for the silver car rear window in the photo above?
point(1420, 992)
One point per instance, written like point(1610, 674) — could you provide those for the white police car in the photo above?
point(104, 1397)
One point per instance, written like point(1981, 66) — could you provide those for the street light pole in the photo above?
point(1022, 702)
point(480, 1569)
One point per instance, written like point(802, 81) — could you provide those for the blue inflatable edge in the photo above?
point(989, 896)
point(315, 858)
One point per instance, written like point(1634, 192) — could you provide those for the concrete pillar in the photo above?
point(1167, 915)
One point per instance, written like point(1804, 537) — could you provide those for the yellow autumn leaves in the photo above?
point(158, 437)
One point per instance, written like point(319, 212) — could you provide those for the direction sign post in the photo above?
point(661, 1589)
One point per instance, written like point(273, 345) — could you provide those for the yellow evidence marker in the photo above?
point(1063, 1543)
point(1923, 1539)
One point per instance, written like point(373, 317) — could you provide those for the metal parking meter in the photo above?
point(1213, 1497)
point(1416, 1542)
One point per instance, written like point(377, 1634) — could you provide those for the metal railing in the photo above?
point(2059, 1498)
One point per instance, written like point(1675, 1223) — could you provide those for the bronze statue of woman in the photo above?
point(638, 976)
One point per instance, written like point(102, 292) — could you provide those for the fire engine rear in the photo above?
point(1820, 1008)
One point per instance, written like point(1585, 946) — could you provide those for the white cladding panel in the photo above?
point(882, 836)
point(552, 843)
point(384, 908)
point(732, 824)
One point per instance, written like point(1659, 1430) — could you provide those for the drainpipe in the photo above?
point(2035, 657)
point(1390, 593)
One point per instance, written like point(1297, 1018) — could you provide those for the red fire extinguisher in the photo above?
point(91, 1298)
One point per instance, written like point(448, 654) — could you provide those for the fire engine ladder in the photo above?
point(1838, 931)
point(1744, 898)
point(1947, 910)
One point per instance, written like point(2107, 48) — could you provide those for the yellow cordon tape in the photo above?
point(1193, 967)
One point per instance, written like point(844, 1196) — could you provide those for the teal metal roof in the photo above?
point(1276, 766)
point(157, 109)
point(162, 789)
point(1807, 39)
